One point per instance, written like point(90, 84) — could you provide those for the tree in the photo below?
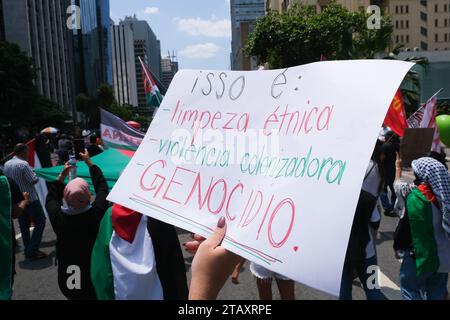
point(104, 98)
point(121, 111)
point(17, 91)
point(21, 105)
point(411, 86)
point(46, 113)
point(302, 36)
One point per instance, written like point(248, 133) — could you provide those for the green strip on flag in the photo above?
point(422, 232)
point(113, 145)
point(111, 161)
point(101, 269)
point(6, 245)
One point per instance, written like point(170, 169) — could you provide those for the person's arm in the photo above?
point(19, 208)
point(55, 194)
point(100, 186)
point(212, 265)
point(398, 167)
point(19, 200)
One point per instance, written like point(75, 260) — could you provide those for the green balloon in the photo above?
point(443, 124)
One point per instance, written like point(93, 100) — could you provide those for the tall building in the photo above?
point(146, 46)
point(2, 24)
point(244, 13)
point(39, 28)
point(169, 67)
point(124, 65)
point(420, 24)
point(92, 45)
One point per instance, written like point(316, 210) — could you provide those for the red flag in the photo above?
point(396, 116)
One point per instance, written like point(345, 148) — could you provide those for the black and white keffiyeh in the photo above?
point(434, 173)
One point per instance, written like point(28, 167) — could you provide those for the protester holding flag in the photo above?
point(19, 170)
point(422, 237)
point(12, 205)
point(75, 221)
point(136, 257)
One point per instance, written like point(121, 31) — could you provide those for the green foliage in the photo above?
point(410, 86)
point(105, 99)
point(443, 108)
point(46, 113)
point(105, 96)
point(122, 112)
point(17, 92)
point(301, 36)
point(21, 105)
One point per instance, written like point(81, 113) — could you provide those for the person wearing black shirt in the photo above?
point(389, 149)
point(76, 227)
point(93, 148)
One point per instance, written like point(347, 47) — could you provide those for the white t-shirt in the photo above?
point(370, 248)
point(372, 182)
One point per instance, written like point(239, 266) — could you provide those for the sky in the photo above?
point(199, 31)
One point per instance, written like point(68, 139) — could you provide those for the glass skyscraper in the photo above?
point(92, 46)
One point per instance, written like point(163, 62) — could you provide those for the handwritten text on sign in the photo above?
point(281, 154)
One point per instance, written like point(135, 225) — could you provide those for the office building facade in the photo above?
point(146, 46)
point(124, 65)
point(92, 45)
point(244, 14)
point(39, 28)
point(420, 25)
point(169, 67)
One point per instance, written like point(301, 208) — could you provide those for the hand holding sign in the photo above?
point(273, 152)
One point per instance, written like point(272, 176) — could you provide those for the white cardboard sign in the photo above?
point(280, 153)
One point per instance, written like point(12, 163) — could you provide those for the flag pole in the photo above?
point(434, 95)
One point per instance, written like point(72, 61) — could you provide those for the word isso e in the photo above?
point(234, 88)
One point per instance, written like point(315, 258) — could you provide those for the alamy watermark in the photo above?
point(73, 281)
point(374, 21)
point(74, 20)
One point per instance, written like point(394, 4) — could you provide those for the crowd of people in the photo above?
point(83, 222)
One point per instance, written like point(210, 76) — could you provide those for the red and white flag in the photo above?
point(35, 163)
point(425, 117)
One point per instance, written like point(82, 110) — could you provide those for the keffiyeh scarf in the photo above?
point(434, 173)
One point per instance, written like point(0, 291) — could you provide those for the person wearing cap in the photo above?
point(75, 219)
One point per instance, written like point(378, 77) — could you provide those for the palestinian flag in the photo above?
point(154, 97)
point(123, 265)
point(116, 133)
point(430, 241)
point(6, 245)
point(112, 162)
